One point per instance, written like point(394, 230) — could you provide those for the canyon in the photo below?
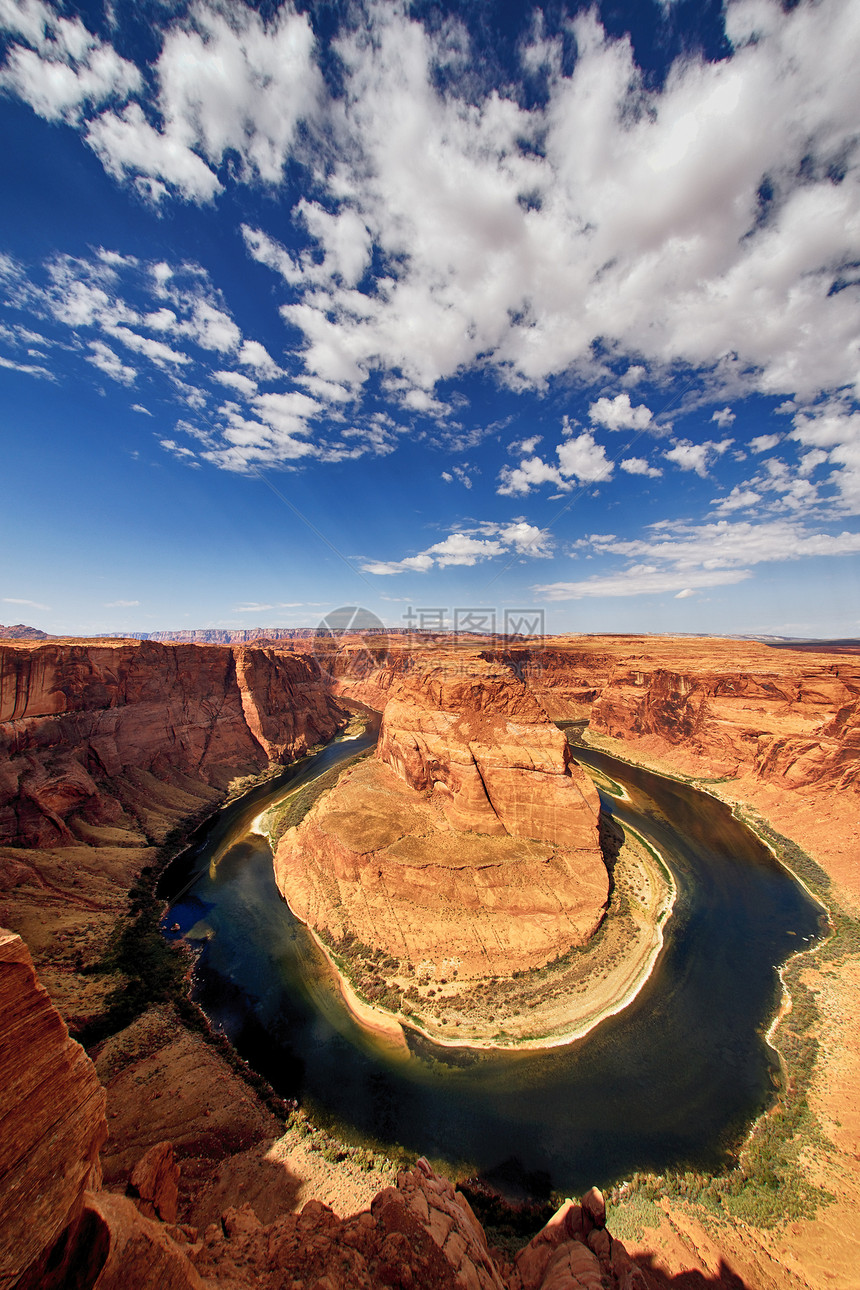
point(111, 748)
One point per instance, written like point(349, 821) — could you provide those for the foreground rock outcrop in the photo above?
point(58, 1228)
point(52, 1118)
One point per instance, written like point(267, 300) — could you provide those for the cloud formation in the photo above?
point(471, 546)
point(713, 222)
point(687, 557)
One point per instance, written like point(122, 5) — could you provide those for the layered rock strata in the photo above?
point(106, 748)
point(468, 848)
point(75, 717)
point(52, 1117)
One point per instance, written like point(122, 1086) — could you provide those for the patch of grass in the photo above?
point(630, 1217)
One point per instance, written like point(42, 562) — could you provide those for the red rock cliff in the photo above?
point(52, 1117)
point(471, 730)
point(74, 717)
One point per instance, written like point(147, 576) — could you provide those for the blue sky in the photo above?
point(431, 307)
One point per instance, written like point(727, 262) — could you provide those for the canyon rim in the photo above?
point(113, 749)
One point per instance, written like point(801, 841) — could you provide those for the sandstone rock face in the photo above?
point(472, 841)
point(471, 730)
point(154, 1183)
point(380, 861)
point(421, 1233)
point(52, 1117)
point(783, 719)
point(74, 717)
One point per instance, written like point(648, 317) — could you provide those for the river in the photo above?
point(673, 1080)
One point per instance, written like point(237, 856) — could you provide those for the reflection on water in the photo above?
point(674, 1079)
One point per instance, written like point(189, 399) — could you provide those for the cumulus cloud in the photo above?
point(739, 499)
point(580, 458)
point(764, 442)
point(236, 381)
point(711, 221)
point(470, 547)
point(619, 414)
point(104, 358)
point(57, 66)
point(640, 466)
point(832, 433)
point(696, 456)
point(723, 417)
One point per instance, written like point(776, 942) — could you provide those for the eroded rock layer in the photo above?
point(75, 717)
point(52, 1117)
point(107, 748)
point(379, 861)
point(469, 844)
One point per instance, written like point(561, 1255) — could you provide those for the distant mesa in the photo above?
point(21, 632)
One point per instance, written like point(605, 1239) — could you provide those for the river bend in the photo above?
point(673, 1080)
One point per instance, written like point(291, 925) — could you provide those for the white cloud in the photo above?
point(121, 604)
point(236, 381)
point(104, 358)
point(619, 413)
point(764, 442)
point(529, 474)
point(525, 447)
point(739, 499)
point(261, 608)
point(584, 458)
point(580, 457)
point(138, 407)
point(30, 604)
point(253, 354)
point(710, 223)
point(642, 225)
point(228, 81)
point(29, 369)
point(696, 456)
point(458, 548)
point(126, 144)
point(642, 580)
point(420, 401)
point(470, 547)
point(459, 473)
point(685, 557)
point(834, 430)
point(155, 350)
point(685, 594)
point(326, 391)
point(65, 67)
point(640, 466)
